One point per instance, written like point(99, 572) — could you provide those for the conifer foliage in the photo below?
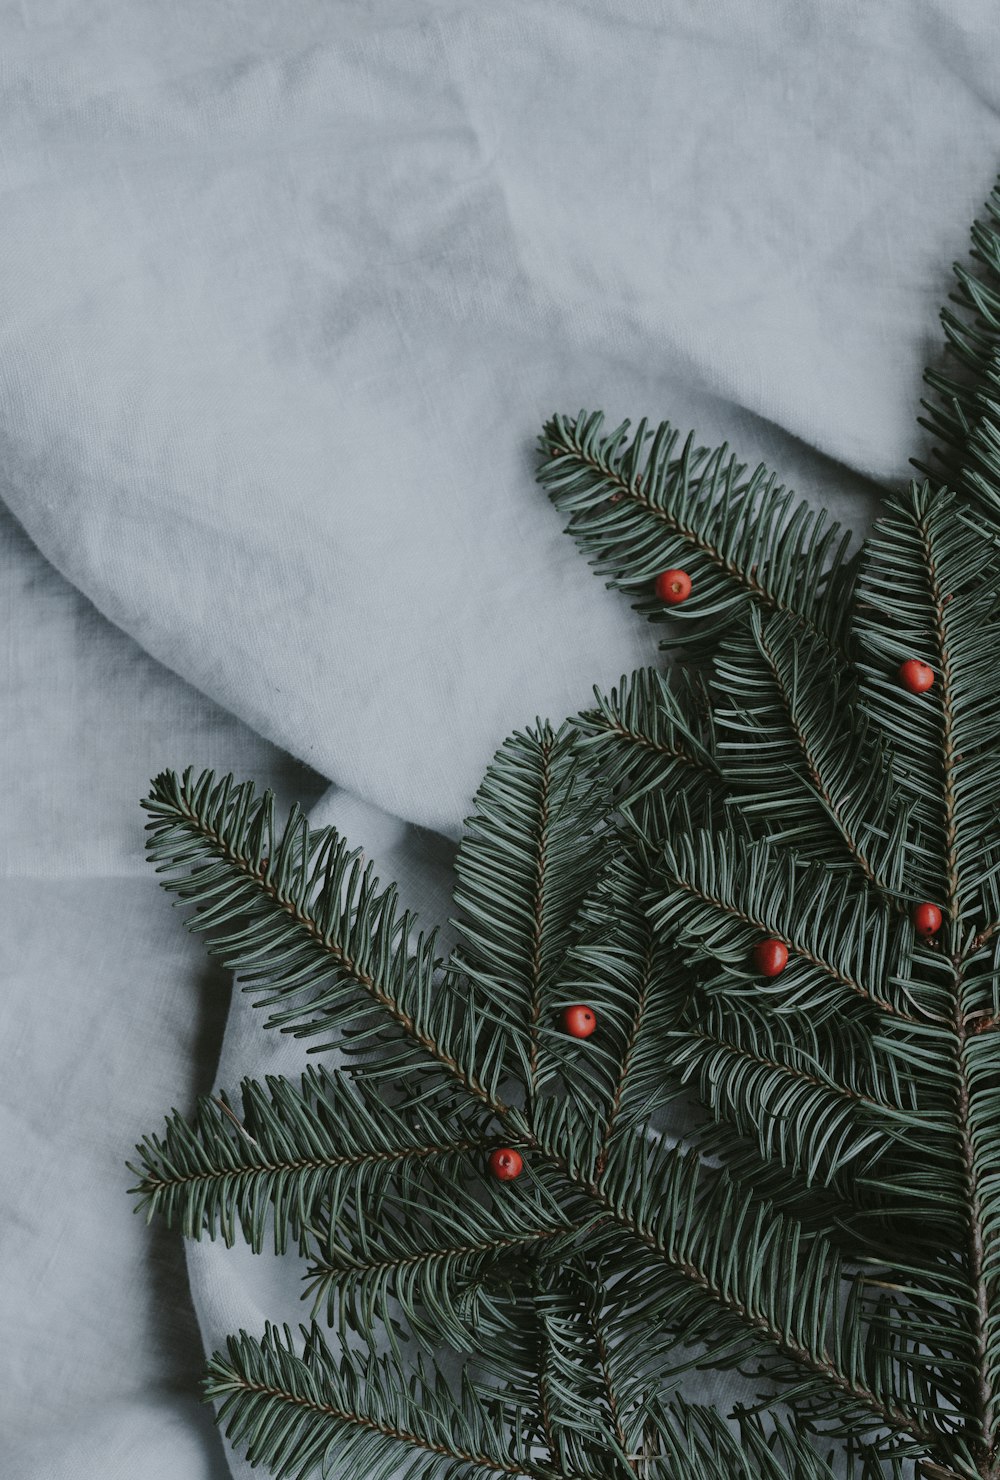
point(771, 874)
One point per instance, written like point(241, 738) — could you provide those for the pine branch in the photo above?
point(742, 1282)
point(720, 894)
point(357, 1417)
point(653, 731)
point(295, 1151)
point(315, 935)
point(927, 587)
point(797, 759)
point(964, 413)
point(947, 600)
point(637, 509)
point(529, 855)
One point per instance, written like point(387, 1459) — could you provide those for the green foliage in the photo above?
point(929, 586)
point(638, 506)
point(798, 755)
point(357, 1415)
point(529, 855)
point(295, 1151)
point(964, 412)
point(828, 1226)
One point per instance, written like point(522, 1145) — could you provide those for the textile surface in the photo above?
point(286, 292)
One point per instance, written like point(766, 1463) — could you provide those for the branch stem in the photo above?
point(621, 488)
point(842, 978)
point(985, 1439)
point(814, 770)
point(403, 1436)
point(538, 917)
point(260, 876)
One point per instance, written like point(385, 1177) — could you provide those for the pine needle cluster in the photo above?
point(828, 1225)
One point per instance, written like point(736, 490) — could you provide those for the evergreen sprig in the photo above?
point(828, 1225)
point(638, 506)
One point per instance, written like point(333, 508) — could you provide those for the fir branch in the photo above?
point(610, 1083)
point(652, 731)
point(637, 509)
point(947, 599)
point(693, 1276)
point(290, 1411)
point(964, 411)
point(545, 1404)
point(986, 1317)
point(761, 1287)
point(796, 757)
point(574, 1415)
point(296, 1150)
point(927, 587)
point(424, 1250)
point(314, 925)
point(429, 1283)
point(635, 1044)
point(529, 855)
point(604, 1367)
point(540, 906)
point(695, 1442)
point(770, 1331)
point(986, 1399)
point(804, 1119)
point(721, 893)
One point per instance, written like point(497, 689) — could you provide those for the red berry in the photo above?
point(579, 1021)
point(673, 586)
point(916, 676)
point(505, 1163)
point(770, 957)
point(927, 919)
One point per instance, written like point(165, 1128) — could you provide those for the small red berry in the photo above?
point(927, 919)
point(916, 676)
point(673, 586)
point(770, 957)
point(579, 1021)
point(506, 1163)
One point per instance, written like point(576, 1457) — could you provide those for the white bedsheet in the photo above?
point(286, 291)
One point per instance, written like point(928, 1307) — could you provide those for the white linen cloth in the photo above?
point(286, 292)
